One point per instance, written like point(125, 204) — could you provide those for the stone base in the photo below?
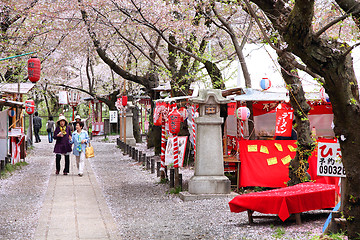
point(209, 185)
point(131, 141)
point(186, 196)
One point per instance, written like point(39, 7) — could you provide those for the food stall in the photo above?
point(264, 161)
point(12, 135)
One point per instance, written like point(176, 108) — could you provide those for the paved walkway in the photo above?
point(74, 208)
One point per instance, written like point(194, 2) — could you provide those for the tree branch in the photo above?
point(156, 52)
point(102, 53)
point(333, 22)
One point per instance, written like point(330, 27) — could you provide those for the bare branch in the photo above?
point(332, 23)
point(156, 52)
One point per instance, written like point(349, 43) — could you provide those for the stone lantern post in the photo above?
point(209, 179)
point(129, 125)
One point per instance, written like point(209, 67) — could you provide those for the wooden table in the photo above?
point(233, 159)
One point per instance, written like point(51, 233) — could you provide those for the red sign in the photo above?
point(29, 106)
point(231, 108)
point(284, 118)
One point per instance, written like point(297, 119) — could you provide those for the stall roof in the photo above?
point(13, 87)
point(257, 95)
point(9, 103)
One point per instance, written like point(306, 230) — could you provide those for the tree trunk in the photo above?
point(305, 144)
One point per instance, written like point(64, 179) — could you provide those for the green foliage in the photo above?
point(10, 168)
point(163, 180)
point(175, 190)
point(279, 232)
point(352, 101)
point(260, 189)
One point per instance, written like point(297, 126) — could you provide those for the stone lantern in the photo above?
point(130, 139)
point(209, 179)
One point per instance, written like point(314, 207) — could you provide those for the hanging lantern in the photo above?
point(11, 112)
point(29, 106)
point(174, 121)
point(158, 114)
point(73, 98)
point(265, 84)
point(243, 113)
point(184, 113)
point(118, 103)
point(323, 95)
point(34, 67)
point(124, 100)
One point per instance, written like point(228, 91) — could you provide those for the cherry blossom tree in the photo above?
point(330, 58)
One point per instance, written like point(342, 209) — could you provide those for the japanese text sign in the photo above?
point(329, 160)
point(284, 119)
point(113, 115)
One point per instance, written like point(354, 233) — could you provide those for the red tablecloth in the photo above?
point(285, 201)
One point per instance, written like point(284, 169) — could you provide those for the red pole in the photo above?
point(163, 145)
point(73, 117)
point(176, 161)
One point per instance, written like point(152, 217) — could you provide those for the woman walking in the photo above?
point(50, 127)
point(79, 138)
point(62, 135)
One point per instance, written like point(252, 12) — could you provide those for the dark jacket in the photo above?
point(37, 122)
point(62, 144)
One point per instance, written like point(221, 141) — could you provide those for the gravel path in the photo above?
point(141, 206)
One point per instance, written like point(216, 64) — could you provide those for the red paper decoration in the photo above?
point(265, 83)
point(124, 100)
point(158, 114)
point(29, 106)
point(231, 108)
point(243, 113)
point(174, 121)
point(34, 67)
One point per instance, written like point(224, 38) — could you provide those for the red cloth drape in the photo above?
point(259, 167)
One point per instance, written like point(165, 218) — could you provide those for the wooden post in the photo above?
point(120, 127)
point(172, 182)
point(158, 164)
point(147, 163)
point(152, 165)
point(144, 159)
point(124, 125)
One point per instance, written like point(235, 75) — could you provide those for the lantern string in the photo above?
point(2, 59)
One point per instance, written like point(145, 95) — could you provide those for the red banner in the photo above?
point(284, 118)
point(231, 108)
point(264, 163)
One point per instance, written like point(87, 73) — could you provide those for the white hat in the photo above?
point(77, 117)
point(61, 118)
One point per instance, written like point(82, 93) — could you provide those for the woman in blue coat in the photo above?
point(79, 138)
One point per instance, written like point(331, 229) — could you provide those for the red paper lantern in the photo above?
point(265, 83)
point(184, 113)
point(174, 121)
point(29, 106)
point(124, 100)
point(34, 67)
point(243, 113)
